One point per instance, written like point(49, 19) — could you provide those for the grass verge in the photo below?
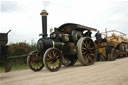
point(15, 67)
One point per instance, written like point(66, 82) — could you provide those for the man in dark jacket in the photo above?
point(88, 33)
point(98, 35)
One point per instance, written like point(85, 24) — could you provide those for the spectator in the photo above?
point(88, 33)
point(98, 35)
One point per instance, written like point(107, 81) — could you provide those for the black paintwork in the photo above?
point(59, 37)
point(69, 27)
point(3, 46)
point(44, 26)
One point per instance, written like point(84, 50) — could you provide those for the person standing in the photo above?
point(88, 33)
point(98, 35)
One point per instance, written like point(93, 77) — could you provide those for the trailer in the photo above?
point(111, 46)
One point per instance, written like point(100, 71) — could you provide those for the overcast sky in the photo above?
point(23, 16)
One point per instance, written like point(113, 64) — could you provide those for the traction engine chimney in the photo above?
point(44, 23)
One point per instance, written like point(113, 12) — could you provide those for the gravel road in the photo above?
point(101, 73)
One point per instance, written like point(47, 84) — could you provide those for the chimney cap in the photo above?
point(44, 13)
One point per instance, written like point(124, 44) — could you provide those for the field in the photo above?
point(101, 73)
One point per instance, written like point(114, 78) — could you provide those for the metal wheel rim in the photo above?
point(86, 51)
point(53, 59)
point(35, 61)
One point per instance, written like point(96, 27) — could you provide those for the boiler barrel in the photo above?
point(44, 44)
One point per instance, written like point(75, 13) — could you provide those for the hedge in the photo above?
point(20, 48)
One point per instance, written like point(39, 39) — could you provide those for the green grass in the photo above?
point(15, 67)
point(1, 69)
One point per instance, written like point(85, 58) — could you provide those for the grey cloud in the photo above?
point(9, 6)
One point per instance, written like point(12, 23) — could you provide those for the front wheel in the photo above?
point(52, 59)
point(34, 61)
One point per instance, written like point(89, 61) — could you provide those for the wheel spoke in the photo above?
point(84, 52)
point(84, 45)
point(92, 48)
point(57, 57)
point(92, 54)
point(89, 57)
point(86, 58)
point(32, 58)
point(54, 53)
point(49, 56)
point(89, 44)
point(83, 48)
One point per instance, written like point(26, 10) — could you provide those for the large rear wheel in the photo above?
point(86, 51)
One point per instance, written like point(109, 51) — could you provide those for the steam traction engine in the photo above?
point(64, 46)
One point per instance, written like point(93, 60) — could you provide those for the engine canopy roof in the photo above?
point(69, 27)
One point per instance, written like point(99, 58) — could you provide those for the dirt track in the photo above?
point(101, 73)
